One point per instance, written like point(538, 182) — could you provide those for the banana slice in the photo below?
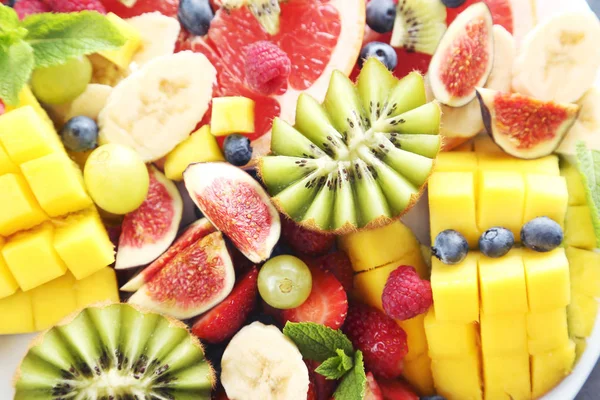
point(262, 363)
point(159, 34)
point(155, 108)
point(90, 102)
point(558, 60)
point(587, 125)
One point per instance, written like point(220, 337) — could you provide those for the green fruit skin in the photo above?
point(284, 282)
point(62, 83)
point(116, 178)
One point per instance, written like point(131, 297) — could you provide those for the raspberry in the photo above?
point(29, 7)
point(267, 67)
point(405, 294)
point(379, 337)
point(304, 241)
point(2, 107)
point(66, 6)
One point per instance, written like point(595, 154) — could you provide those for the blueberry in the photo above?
point(450, 247)
point(382, 51)
point(198, 213)
point(195, 16)
point(237, 149)
point(281, 248)
point(541, 234)
point(453, 3)
point(436, 397)
point(80, 134)
point(496, 242)
point(381, 15)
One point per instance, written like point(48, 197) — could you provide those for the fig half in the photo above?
point(522, 126)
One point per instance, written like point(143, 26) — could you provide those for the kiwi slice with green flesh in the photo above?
point(419, 25)
point(265, 11)
point(115, 352)
point(358, 160)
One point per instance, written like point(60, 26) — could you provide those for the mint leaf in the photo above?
point(588, 163)
point(57, 37)
point(9, 19)
point(317, 342)
point(16, 64)
point(335, 367)
point(354, 383)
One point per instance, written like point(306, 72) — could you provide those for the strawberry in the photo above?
point(396, 390)
point(372, 390)
point(327, 303)
point(320, 387)
point(224, 320)
point(379, 337)
point(339, 265)
point(304, 241)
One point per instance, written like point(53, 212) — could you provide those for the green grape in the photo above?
point(284, 282)
point(62, 83)
point(116, 178)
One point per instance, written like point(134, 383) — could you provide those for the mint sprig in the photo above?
point(47, 39)
point(335, 352)
point(588, 163)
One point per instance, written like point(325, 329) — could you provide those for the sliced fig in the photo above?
point(192, 282)
point(522, 126)
point(237, 205)
point(464, 58)
point(148, 231)
point(192, 234)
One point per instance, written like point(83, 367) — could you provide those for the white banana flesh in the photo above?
point(90, 102)
point(159, 34)
point(587, 125)
point(262, 363)
point(157, 107)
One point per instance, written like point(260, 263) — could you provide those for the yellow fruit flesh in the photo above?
point(547, 330)
point(232, 115)
point(547, 276)
point(546, 195)
point(493, 189)
point(450, 339)
point(550, 368)
point(6, 164)
point(503, 334)
point(418, 373)
point(506, 377)
point(8, 284)
point(18, 207)
point(574, 184)
point(17, 314)
point(579, 230)
point(53, 301)
point(458, 379)
point(123, 55)
point(456, 161)
point(98, 287)
point(502, 284)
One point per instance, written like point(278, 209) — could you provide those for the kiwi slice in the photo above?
point(359, 159)
point(265, 11)
point(115, 352)
point(419, 25)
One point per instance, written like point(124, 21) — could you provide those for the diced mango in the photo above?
point(456, 161)
point(6, 164)
point(18, 207)
point(584, 268)
point(500, 200)
point(31, 257)
point(466, 146)
point(56, 184)
point(575, 186)
point(201, 146)
point(456, 290)
point(548, 283)
point(545, 196)
point(449, 339)
point(133, 40)
point(458, 378)
point(415, 335)
point(548, 369)
point(372, 248)
point(418, 373)
point(547, 330)
point(581, 315)
point(502, 284)
point(17, 314)
point(8, 284)
point(503, 334)
point(53, 301)
point(506, 377)
point(82, 243)
point(502, 162)
point(98, 287)
point(232, 115)
point(452, 204)
point(580, 346)
point(579, 230)
point(483, 144)
point(27, 98)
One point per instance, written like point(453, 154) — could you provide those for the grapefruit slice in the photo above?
point(319, 36)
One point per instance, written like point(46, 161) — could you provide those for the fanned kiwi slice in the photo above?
point(115, 352)
point(359, 159)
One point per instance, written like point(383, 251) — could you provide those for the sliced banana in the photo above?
point(155, 108)
point(558, 60)
point(90, 102)
point(587, 125)
point(159, 34)
point(504, 56)
point(262, 363)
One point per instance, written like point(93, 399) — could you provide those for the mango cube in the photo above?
point(449, 339)
point(6, 164)
point(56, 184)
point(581, 315)
point(502, 162)
point(548, 283)
point(201, 146)
point(123, 55)
point(456, 290)
point(31, 257)
point(458, 378)
point(415, 335)
point(98, 287)
point(483, 144)
point(584, 268)
point(495, 191)
point(579, 230)
point(18, 207)
point(8, 284)
point(506, 377)
point(232, 115)
point(580, 346)
point(466, 146)
point(502, 284)
point(452, 204)
point(503, 334)
point(456, 161)
point(575, 186)
point(82, 243)
point(418, 373)
point(53, 301)
point(27, 98)
point(17, 314)
point(545, 195)
point(548, 369)
point(547, 330)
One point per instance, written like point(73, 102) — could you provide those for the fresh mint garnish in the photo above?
point(588, 163)
point(335, 352)
point(47, 39)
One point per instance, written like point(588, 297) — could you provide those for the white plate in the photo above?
point(14, 347)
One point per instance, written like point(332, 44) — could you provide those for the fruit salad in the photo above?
point(299, 199)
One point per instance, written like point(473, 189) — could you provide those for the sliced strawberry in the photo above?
point(327, 303)
point(166, 7)
point(224, 320)
point(396, 390)
point(372, 392)
point(304, 241)
point(340, 266)
point(322, 388)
